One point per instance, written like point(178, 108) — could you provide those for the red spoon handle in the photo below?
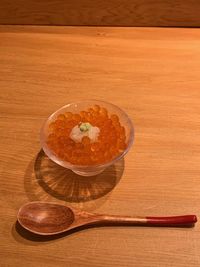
point(173, 220)
point(184, 220)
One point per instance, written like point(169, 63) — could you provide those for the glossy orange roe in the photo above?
point(111, 140)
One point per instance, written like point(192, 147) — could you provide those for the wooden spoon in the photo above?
point(50, 218)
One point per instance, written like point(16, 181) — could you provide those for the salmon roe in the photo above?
point(110, 143)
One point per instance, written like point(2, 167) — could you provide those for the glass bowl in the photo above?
point(76, 107)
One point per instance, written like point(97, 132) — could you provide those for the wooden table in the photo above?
point(154, 75)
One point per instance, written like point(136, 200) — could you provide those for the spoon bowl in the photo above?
point(45, 218)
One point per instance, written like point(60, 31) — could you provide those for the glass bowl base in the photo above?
point(90, 173)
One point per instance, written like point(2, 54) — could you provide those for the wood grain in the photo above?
point(101, 12)
point(151, 73)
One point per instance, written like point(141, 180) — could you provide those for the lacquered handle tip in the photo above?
point(172, 220)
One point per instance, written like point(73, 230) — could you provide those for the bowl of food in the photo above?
point(87, 136)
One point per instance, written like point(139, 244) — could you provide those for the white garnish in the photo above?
point(85, 129)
